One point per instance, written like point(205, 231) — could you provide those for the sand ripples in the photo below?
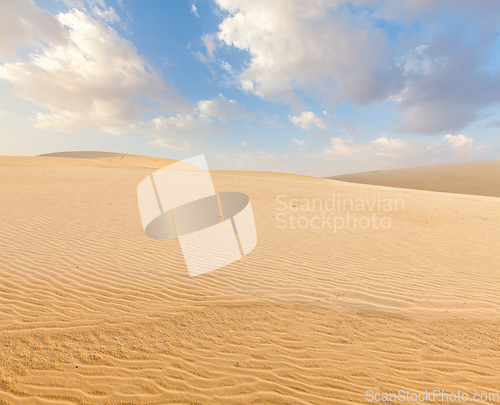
point(94, 312)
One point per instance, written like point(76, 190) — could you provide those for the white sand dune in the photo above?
point(111, 159)
point(94, 312)
point(477, 178)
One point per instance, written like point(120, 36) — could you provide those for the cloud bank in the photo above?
point(439, 78)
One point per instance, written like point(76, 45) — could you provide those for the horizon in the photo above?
point(323, 89)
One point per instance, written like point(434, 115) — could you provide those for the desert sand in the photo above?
point(477, 178)
point(94, 312)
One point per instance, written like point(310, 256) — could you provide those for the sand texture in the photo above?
point(94, 312)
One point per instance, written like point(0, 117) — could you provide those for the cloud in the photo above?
point(439, 78)
point(387, 152)
point(210, 42)
point(184, 131)
point(74, 3)
point(107, 14)
point(299, 142)
point(307, 120)
point(493, 124)
point(450, 84)
point(188, 131)
point(194, 10)
point(299, 46)
point(22, 21)
point(462, 142)
point(345, 155)
point(95, 80)
point(222, 108)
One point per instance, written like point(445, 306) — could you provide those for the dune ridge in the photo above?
point(109, 159)
point(94, 312)
point(476, 178)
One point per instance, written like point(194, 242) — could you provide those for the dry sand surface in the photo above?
point(477, 178)
point(94, 312)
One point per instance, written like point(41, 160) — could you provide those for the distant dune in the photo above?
point(478, 178)
point(94, 312)
point(112, 159)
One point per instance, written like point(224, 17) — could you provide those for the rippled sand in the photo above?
point(94, 312)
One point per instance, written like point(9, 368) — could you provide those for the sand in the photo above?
point(477, 178)
point(94, 312)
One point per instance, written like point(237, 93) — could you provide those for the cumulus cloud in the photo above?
point(23, 22)
point(87, 76)
point(386, 152)
point(301, 46)
point(450, 85)
point(185, 131)
point(222, 108)
point(345, 155)
point(382, 146)
point(95, 80)
point(439, 79)
point(462, 142)
point(307, 120)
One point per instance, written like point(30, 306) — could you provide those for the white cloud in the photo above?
point(74, 3)
point(211, 44)
point(98, 8)
point(107, 14)
point(22, 21)
point(194, 10)
point(222, 108)
point(95, 80)
point(307, 120)
point(462, 142)
point(387, 152)
point(185, 131)
point(269, 120)
point(300, 45)
point(299, 142)
point(333, 50)
point(244, 143)
point(226, 66)
point(349, 156)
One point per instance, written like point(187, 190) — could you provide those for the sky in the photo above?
point(314, 87)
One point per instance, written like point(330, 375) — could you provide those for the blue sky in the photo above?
point(312, 87)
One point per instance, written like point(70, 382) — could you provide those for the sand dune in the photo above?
point(94, 312)
point(111, 159)
point(477, 178)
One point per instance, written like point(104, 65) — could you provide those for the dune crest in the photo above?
point(477, 178)
point(108, 159)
